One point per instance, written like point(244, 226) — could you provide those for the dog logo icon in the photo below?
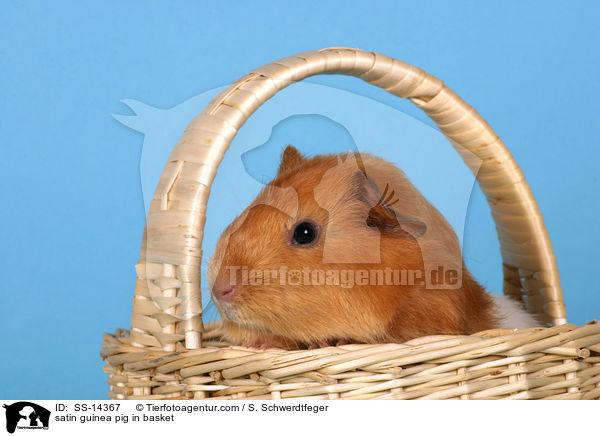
point(26, 415)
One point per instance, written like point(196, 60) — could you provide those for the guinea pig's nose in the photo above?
point(224, 293)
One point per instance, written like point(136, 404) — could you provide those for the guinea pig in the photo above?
point(344, 249)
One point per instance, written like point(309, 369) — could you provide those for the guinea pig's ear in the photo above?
point(381, 214)
point(290, 159)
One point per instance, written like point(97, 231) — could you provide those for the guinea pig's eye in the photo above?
point(304, 233)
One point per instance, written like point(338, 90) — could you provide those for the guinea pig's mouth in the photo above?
point(226, 309)
point(225, 302)
point(232, 312)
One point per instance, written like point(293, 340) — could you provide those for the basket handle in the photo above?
point(167, 307)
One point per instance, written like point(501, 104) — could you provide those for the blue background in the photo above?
point(72, 211)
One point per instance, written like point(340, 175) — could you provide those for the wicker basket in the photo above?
point(169, 354)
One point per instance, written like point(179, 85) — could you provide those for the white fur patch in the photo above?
point(512, 315)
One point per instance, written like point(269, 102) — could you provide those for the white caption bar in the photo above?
point(113, 418)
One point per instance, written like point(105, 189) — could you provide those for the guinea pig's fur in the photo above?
point(368, 217)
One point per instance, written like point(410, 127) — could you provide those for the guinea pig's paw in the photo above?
point(263, 345)
point(257, 343)
point(327, 343)
point(316, 345)
point(267, 343)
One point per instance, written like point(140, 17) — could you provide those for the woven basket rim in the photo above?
point(561, 362)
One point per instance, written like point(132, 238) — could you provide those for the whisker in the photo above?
point(211, 312)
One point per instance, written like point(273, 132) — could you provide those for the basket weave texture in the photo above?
point(561, 362)
point(168, 353)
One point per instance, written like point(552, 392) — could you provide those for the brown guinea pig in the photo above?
point(343, 248)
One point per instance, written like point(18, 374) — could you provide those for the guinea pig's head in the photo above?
point(288, 264)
